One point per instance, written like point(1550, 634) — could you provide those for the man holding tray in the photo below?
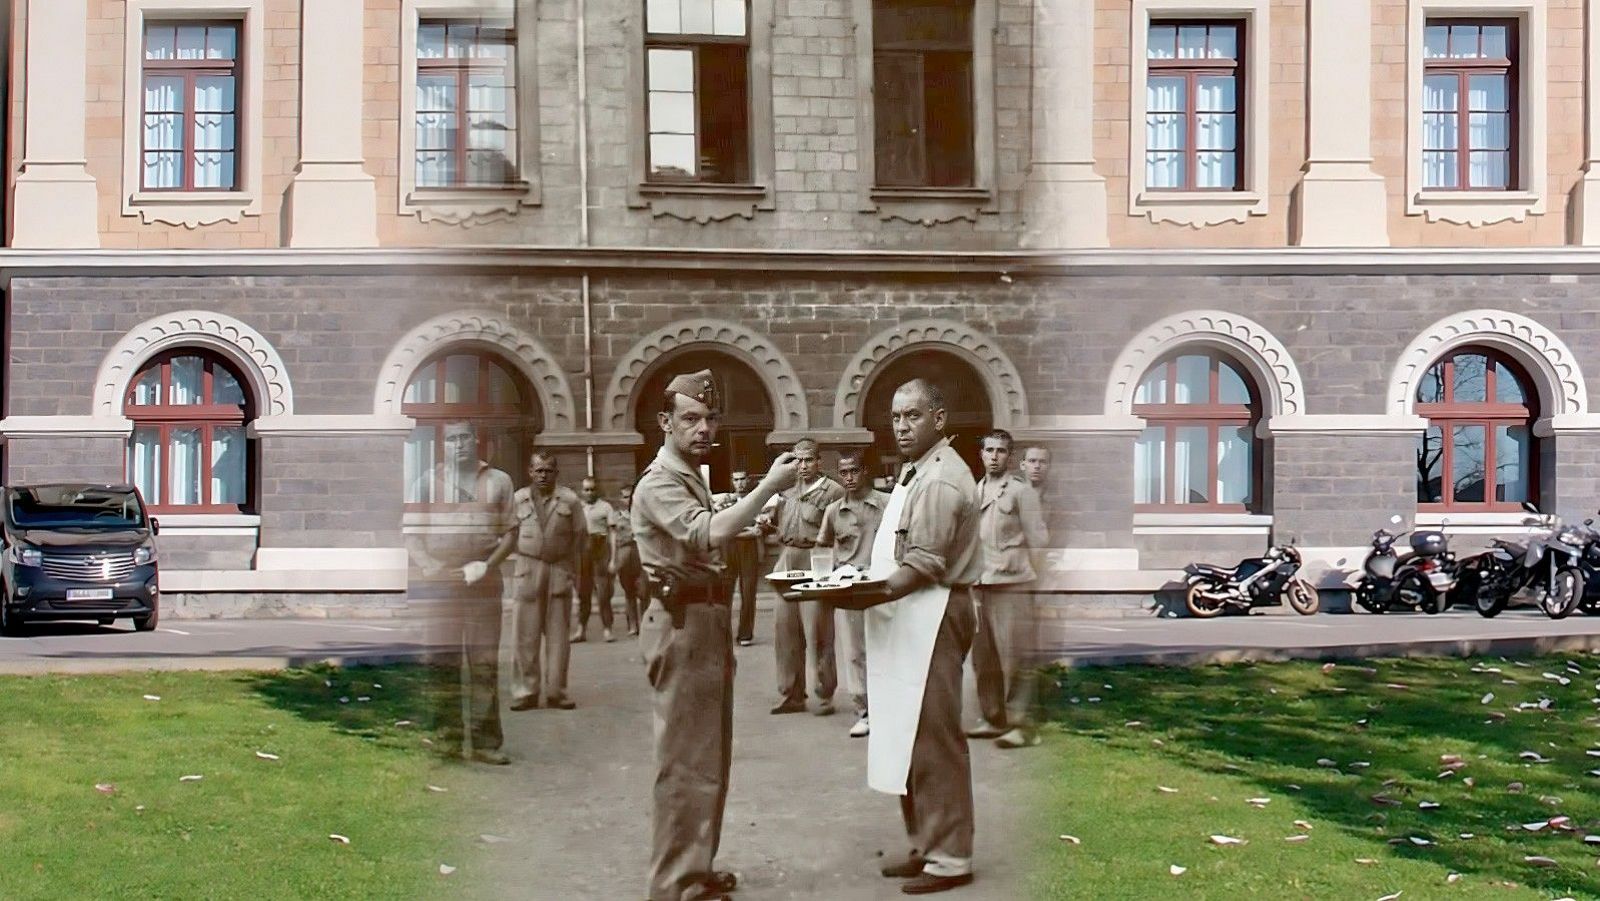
point(687, 640)
point(849, 526)
point(919, 625)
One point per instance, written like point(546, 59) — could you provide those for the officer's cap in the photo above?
point(698, 386)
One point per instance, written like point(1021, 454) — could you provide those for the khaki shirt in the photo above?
point(672, 519)
point(597, 517)
point(481, 511)
point(849, 526)
point(1011, 525)
point(798, 511)
point(547, 526)
point(938, 530)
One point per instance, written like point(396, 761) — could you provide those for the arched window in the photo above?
point(479, 388)
point(1478, 451)
point(189, 452)
point(1198, 451)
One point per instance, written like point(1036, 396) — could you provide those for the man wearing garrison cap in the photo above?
point(686, 638)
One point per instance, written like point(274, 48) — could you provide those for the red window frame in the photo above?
point(206, 416)
point(1463, 69)
point(1488, 415)
point(190, 70)
point(1214, 416)
point(486, 418)
point(1192, 69)
point(462, 68)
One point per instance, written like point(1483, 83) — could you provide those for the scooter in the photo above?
point(1256, 582)
point(1421, 580)
point(1547, 566)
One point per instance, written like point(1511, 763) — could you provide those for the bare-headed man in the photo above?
point(549, 540)
point(1035, 467)
point(849, 526)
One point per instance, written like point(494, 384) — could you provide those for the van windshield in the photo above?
point(56, 507)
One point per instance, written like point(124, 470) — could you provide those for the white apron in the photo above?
point(900, 639)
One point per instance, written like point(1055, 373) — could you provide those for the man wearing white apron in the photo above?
point(927, 549)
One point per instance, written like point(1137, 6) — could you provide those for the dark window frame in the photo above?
point(462, 68)
point(1488, 415)
point(191, 70)
point(486, 418)
point(1213, 415)
point(1463, 69)
point(965, 52)
point(1192, 69)
point(167, 417)
point(695, 43)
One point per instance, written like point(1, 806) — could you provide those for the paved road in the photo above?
point(207, 644)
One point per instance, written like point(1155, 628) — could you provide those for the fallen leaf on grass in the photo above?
point(1591, 839)
point(1469, 782)
point(363, 698)
point(1292, 787)
point(1226, 840)
point(1298, 838)
point(402, 723)
point(344, 700)
point(1132, 724)
point(1446, 774)
point(105, 788)
point(1487, 698)
point(493, 839)
point(435, 788)
point(1325, 762)
point(1360, 765)
point(1391, 897)
point(1365, 861)
point(1397, 686)
point(341, 839)
point(1535, 827)
point(1258, 802)
point(152, 697)
point(1429, 805)
point(1177, 870)
point(1514, 788)
point(1165, 790)
point(265, 756)
point(1420, 842)
point(1072, 839)
point(1385, 800)
point(1466, 836)
point(1537, 861)
point(1495, 717)
point(195, 778)
point(1303, 824)
point(446, 869)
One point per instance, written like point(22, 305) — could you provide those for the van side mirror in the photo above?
point(155, 526)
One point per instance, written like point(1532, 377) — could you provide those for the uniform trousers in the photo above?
point(464, 630)
point(1007, 633)
point(539, 628)
point(630, 576)
point(594, 581)
point(744, 562)
point(691, 670)
point(937, 807)
point(794, 621)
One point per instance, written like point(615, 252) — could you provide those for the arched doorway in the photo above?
point(747, 417)
point(968, 413)
point(480, 387)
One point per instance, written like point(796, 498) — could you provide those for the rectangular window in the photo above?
point(922, 93)
point(1468, 117)
point(190, 109)
point(466, 104)
point(697, 78)
point(1193, 123)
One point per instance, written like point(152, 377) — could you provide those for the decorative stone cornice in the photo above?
point(263, 369)
point(1251, 343)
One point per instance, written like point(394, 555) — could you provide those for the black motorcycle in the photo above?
point(1421, 580)
point(1548, 566)
point(1257, 582)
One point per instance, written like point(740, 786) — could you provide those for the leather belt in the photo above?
point(703, 594)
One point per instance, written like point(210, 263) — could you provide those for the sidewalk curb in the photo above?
point(107, 665)
point(1509, 646)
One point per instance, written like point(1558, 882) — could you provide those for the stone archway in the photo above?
point(1001, 381)
point(1550, 364)
point(1245, 340)
point(968, 410)
point(257, 359)
point(747, 421)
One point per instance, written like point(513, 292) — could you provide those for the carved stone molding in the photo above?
point(776, 374)
point(1003, 383)
point(1258, 349)
point(263, 369)
point(1550, 363)
point(483, 329)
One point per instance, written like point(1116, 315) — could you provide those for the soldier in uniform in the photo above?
point(594, 579)
point(744, 560)
point(1013, 533)
point(849, 526)
point(457, 574)
point(549, 540)
point(625, 556)
point(686, 639)
point(796, 516)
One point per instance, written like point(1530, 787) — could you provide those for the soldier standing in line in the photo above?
point(796, 515)
point(549, 540)
point(625, 556)
point(457, 574)
point(594, 580)
point(1013, 533)
point(744, 560)
point(849, 526)
point(1036, 467)
point(686, 639)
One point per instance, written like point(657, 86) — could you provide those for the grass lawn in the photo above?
point(93, 803)
point(1354, 752)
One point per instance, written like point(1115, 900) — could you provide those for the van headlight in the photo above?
point(144, 554)
point(25, 556)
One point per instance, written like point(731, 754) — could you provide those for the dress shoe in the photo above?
point(606, 634)
point(985, 730)
point(860, 729)
point(789, 707)
point(1018, 738)
point(578, 638)
point(528, 703)
point(824, 709)
point(746, 642)
point(927, 883)
point(721, 881)
point(491, 756)
point(905, 868)
point(562, 703)
point(704, 892)
point(633, 632)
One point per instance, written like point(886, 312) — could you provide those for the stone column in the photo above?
point(1586, 194)
point(1342, 202)
point(1064, 199)
point(332, 200)
point(56, 204)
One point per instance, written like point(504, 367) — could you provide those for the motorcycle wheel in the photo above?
point(1489, 600)
point(1200, 606)
point(1303, 597)
point(1566, 590)
point(1414, 585)
point(1366, 601)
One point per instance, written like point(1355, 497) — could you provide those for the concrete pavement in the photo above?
point(212, 644)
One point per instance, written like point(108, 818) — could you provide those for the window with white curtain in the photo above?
point(1198, 450)
point(1192, 116)
point(190, 134)
point(465, 386)
point(466, 128)
point(1468, 82)
point(189, 450)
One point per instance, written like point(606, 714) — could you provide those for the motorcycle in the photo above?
point(1547, 566)
point(1421, 580)
point(1265, 581)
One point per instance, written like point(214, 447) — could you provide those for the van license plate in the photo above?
point(88, 594)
